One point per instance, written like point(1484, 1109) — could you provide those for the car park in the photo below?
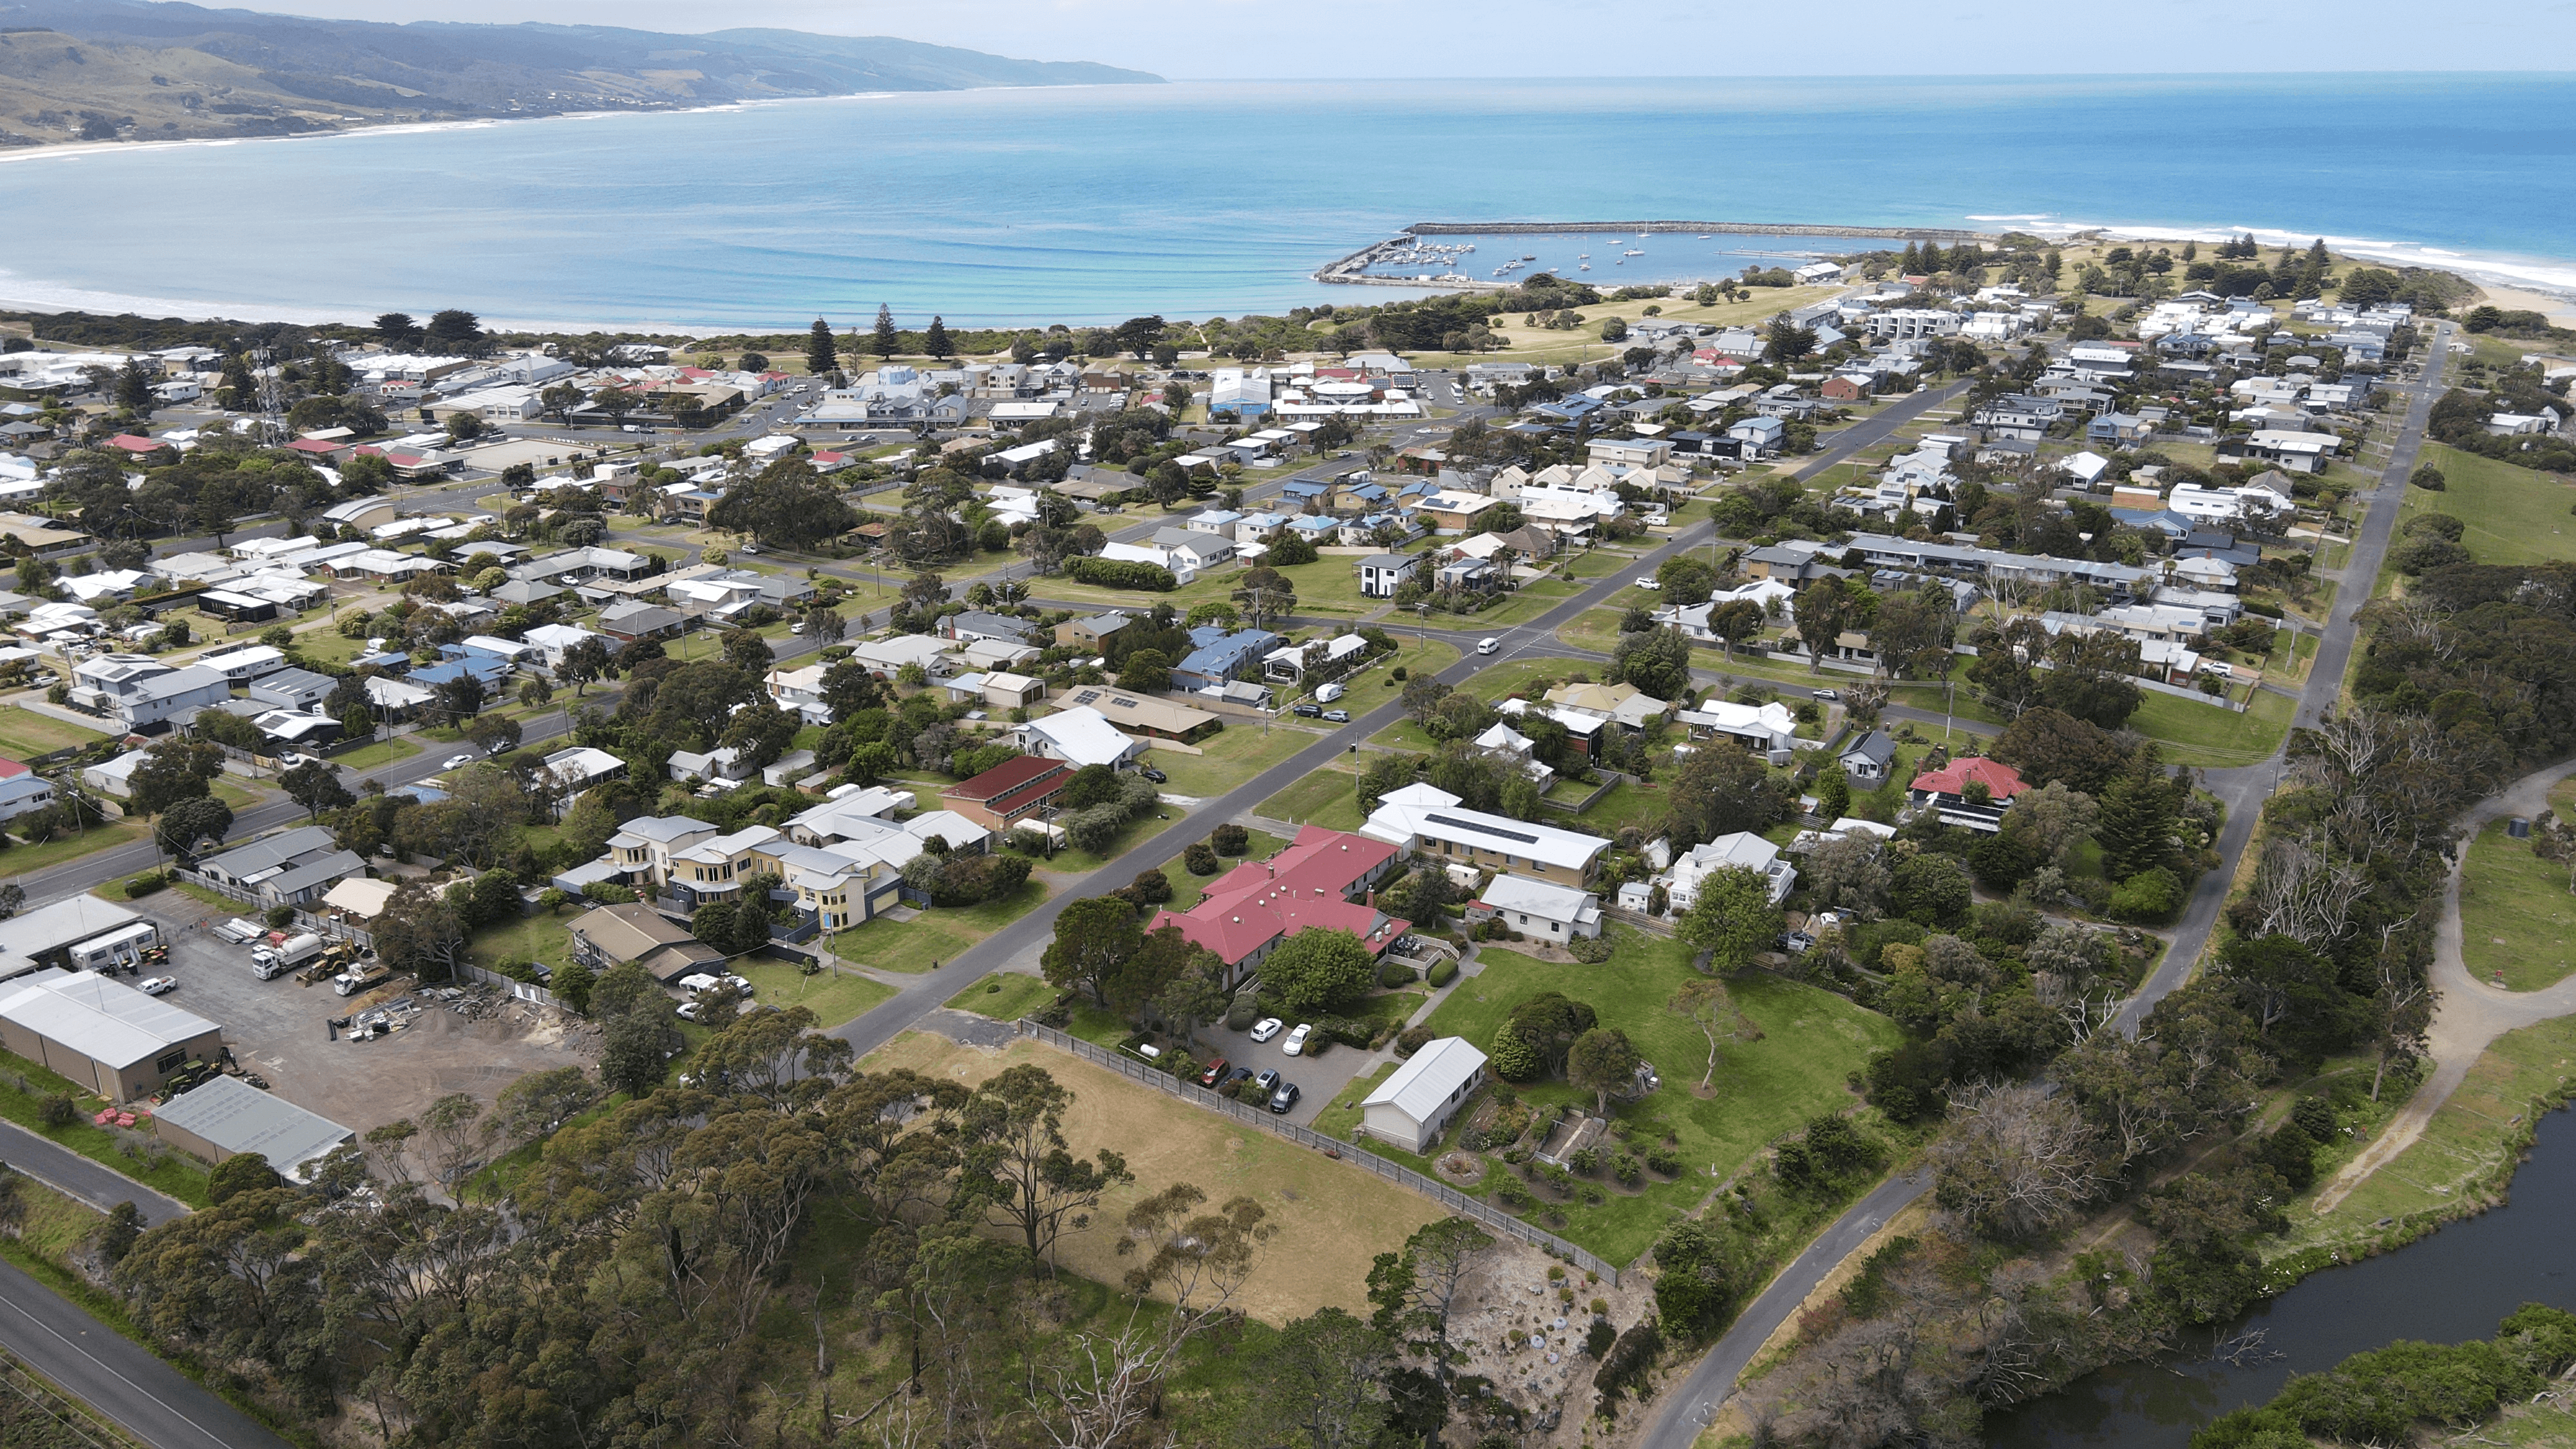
point(1295, 1046)
point(1214, 1074)
point(1283, 1099)
point(1267, 1082)
point(1266, 1028)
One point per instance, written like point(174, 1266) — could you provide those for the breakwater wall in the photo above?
point(1735, 228)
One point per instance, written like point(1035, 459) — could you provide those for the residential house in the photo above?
point(1543, 909)
point(1382, 574)
point(997, 689)
point(285, 870)
point(1413, 1104)
point(1760, 437)
point(1764, 727)
point(1422, 818)
point(139, 692)
point(629, 622)
point(1625, 704)
point(299, 689)
point(800, 692)
point(972, 625)
point(1080, 736)
point(1868, 761)
point(614, 935)
point(1142, 714)
point(1093, 632)
point(1218, 658)
point(722, 765)
point(1972, 791)
point(1740, 850)
point(1009, 794)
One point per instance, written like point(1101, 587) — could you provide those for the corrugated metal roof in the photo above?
point(1423, 1083)
point(101, 1019)
point(234, 1116)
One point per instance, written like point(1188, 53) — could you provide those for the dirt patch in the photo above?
point(1331, 1218)
point(1513, 1320)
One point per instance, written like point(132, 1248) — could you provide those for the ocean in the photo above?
point(1087, 205)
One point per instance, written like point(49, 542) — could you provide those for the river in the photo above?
point(2451, 1286)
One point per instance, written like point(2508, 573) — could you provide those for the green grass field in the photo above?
point(25, 733)
point(1003, 996)
point(2517, 915)
point(940, 934)
point(1230, 757)
point(2512, 515)
point(1812, 1040)
point(545, 936)
point(2201, 734)
point(376, 755)
point(1328, 798)
point(833, 996)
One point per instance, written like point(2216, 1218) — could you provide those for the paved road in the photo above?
point(1877, 429)
point(1020, 943)
point(2244, 790)
point(1689, 1406)
point(73, 1175)
point(115, 1376)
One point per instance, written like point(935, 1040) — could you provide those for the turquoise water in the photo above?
point(1222, 197)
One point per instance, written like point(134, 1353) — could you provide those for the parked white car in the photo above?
point(1296, 1043)
point(1266, 1028)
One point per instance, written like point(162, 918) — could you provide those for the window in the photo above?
point(170, 1061)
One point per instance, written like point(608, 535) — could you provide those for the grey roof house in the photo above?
point(285, 870)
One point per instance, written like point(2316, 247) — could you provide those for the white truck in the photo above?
point(271, 962)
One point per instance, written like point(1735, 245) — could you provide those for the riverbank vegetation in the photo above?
point(2130, 1189)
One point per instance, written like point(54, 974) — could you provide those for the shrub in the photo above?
point(1243, 1013)
point(145, 884)
point(1585, 1160)
point(1443, 972)
point(280, 917)
point(1628, 1359)
point(2428, 478)
point(1199, 859)
point(58, 1110)
point(1592, 950)
point(2149, 898)
point(1667, 1163)
point(1110, 573)
point(1152, 887)
point(1412, 1039)
point(1394, 974)
point(2315, 1116)
point(1230, 839)
point(1625, 1168)
point(1396, 674)
point(1516, 1196)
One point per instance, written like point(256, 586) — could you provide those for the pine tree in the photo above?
point(821, 355)
point(887, 344)
point(935, 342)
point(1912, 262)
point(1931, 258)
point(2137, 823)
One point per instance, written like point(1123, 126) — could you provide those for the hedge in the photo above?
point(1112, 573)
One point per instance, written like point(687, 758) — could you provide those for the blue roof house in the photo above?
point(1222, 660)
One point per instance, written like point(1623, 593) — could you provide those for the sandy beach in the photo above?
point(2558, 308)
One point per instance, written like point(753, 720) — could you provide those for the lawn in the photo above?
point(2512, 515)
point(1231, 756)
point(545, 936)
point(1628, 803)
point(1004, 996)
point(1812, 1041)
point(1329, 798)
point(833, 996)
point(1596, 629)
point(1328, 1219)
point(1069, 861)
point(24, 1086)
point(939, 934)
point(2202, 734)
point(23, 860)
point(1187, 888)
point(371, 756)
point(25, 733)
point(1527, 603)
point(2516, 913)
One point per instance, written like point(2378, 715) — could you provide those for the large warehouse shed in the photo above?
point(228, 1115)
point(109, 1038)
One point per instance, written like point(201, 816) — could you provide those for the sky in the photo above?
point(1245, 39)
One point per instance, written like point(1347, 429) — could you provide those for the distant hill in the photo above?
point(73, 70)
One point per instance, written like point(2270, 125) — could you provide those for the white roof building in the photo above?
point(1409, 1108)
point(1424, 818)
point(1741, 850)
point(1542, 909)
point(1081, 736)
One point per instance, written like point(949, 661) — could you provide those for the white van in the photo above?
point(1488, 646)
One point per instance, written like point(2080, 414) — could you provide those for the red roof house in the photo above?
point(1947, 789)
point(11, 769)
point(1250, 909)
point(131, 443)
point(1010, 792)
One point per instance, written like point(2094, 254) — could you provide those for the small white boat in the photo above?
point(1635, 253)
point(1703, 236)
point(1587, 266)
point(1583, 256)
